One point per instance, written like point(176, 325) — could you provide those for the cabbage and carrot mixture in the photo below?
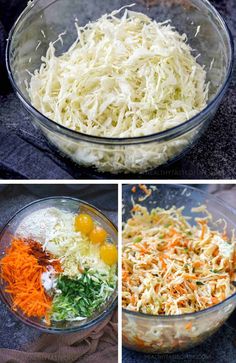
point(59, 266)
point(172, 267)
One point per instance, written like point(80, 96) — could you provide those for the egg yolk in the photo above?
point(83, 223)
point(98, 235)
point(109, 254)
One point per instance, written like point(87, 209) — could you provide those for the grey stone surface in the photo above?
point(13, 333)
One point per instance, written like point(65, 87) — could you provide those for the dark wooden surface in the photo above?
point(25, 154)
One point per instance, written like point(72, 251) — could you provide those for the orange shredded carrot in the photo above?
point(197, 264)
point(22, 274)
point(125, 275)
point(191, 285)
point(180, 289)
point(133, 299)
point(133, 190)
point(172, 232)
point(164, 265)
point(216, 251)
point(214, 300)
point(141, 248)
point(188, 326)
point(234, 258)
point(190, 277)
point(140, 342)
point(204, 228)
point(175, 243)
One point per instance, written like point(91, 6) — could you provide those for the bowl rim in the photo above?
point(116, 141)
point(108, 310)
point(200, 312)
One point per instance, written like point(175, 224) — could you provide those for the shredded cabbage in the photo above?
point(123, 77)
point(171, 267)
point(122, 159)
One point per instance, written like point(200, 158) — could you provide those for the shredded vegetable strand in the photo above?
point(22, 273)
point(125, 76)
point(171, 267)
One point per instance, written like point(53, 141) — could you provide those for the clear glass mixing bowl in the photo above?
point(72, 205)
point(43, 20)
point(171, 333)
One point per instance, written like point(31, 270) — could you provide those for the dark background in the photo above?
point(24, 153)
point(14, 334)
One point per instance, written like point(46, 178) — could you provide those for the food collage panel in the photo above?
point(178, 271)
point(58, 272)
point(97, 89)
point(117, 181)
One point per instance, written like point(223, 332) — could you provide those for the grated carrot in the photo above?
point(189, 326)
point(191, 285)
point(22, 274)
point(180, 289)
point(214, 300)
point(133, 299)
point(164, 265)
point(189, 277)
point(204, 228)
point(140, 342)
point(198, 264)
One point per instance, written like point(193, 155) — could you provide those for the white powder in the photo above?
point(42, 225)
point(48, 279)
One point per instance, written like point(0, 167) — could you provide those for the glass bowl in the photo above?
point(172, 333)
point(72, 205)
point(43, 20)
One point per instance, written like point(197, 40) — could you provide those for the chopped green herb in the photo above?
point(79, 298)
point(199, 283)
point(138, 239)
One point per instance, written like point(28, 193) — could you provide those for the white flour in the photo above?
point(43, 224)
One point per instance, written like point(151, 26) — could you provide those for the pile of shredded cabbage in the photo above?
point(171, 267)
point(123, 77)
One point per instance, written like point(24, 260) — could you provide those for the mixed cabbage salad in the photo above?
point(171, 267)
point(61, 262)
